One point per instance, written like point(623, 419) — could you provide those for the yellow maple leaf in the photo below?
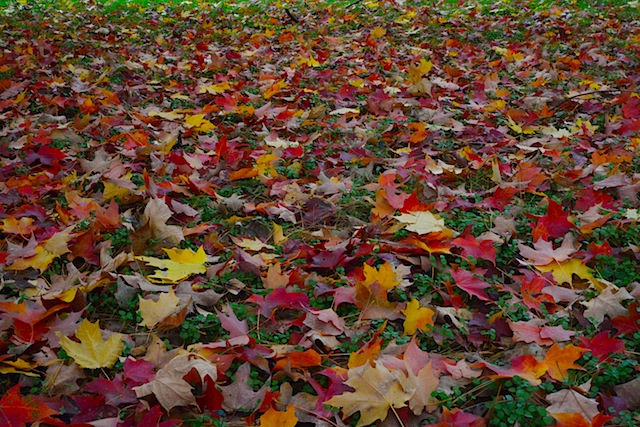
point(215, 89)
point(560, 359)
point(255, 245)
point(112, 190)
point(264, 165)
point(198, 122)
point(182, 264)
point(273, 418)
point(40, 261)
point(23, 226)
point(384, 275)
point(154, 312)
point(275, 89)
point(378, 32)
point(563, 272)
point(18, 366)
point(169, 115)
point(416, 317)
point(311, 61)
point(92, 351)
point(422, 222)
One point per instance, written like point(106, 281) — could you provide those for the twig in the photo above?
point(593, 92)
point(293, 18)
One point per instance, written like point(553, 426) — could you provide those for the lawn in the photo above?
point(319, 213)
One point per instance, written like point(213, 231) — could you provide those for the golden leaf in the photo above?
point(182, 264)
point(92, 351)
point(416, 317)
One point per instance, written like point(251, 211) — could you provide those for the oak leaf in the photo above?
point(377, 389)
point(92, 351)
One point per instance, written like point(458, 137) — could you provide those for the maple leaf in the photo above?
point(554, 224)
point(156, 214)
point(560, 359)
point(376, 391)
point(153, 312)
point(416, 317)
point(602, 346)
point(570, 401)
point(563, 272)
point(18, 411)
point(239, 395)
point(543, 252)
point(422, 222)
point(92, 351)
point(607, 303)
point(169, 385)
point(23, 226)
point(471, 283)
point(273, 418)
point(182, 264)
point(215, 89)
point(424, 383)
point(385, 275)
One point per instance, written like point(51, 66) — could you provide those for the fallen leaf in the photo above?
point(182, 264)
point(273, 418)
point(570, 401)
point(417, 318)
point(153, 312)
point(560, 359)
point(92, 351)
point(422, 222)
point(376, 391)
point(169, 385)
point(607, 303)
point(18, 411)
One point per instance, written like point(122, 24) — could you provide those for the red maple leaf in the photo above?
point(17, 411)
point(553, 225)
point(602, 346)
point(471, 283)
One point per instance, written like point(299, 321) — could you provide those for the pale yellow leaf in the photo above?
point(154, 312)
point(422, 222)
point(376, 390)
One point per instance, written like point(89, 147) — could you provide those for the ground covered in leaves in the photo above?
point(330, 215)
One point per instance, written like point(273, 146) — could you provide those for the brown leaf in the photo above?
point(572, 401)
point(238, 395)
point(169, 386)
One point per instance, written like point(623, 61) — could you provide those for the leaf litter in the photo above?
point(382, 212)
